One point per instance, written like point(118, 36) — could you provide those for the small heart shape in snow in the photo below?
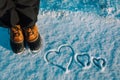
point(83, 59)
point(99, 62)
point(64, 53)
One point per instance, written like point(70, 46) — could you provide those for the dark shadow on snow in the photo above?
point(4, 38)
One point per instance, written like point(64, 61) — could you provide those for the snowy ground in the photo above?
point(77, 45)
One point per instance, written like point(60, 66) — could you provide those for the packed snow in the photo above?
point(81, 41)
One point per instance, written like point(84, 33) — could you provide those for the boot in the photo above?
point(33, 38)
point(16, 39)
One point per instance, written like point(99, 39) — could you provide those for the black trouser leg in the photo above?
point(8, 15)
point(27, 11)
point(10, 18)
point(23, 12)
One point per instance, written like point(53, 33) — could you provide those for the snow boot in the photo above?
point(17, 39)
point(33, 38)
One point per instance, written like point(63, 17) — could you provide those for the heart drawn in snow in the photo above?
point(99, 62)
point(83, 59)
point(57, 53)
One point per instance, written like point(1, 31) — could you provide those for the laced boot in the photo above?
point(33, 38)
point(16, 39)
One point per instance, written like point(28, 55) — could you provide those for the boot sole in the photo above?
point(17, 48)
point(36, 45)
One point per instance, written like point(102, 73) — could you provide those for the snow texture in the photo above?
point(81, 41)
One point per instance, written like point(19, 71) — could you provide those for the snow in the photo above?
point(78, 44)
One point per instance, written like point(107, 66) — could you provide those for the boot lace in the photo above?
point(16, 31)
point(30, 31)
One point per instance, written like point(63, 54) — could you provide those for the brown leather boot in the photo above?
point(17, 39)
point(32, 38)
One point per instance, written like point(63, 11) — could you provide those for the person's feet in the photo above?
point(16, 39)
point(32, 38)
point(29, 35)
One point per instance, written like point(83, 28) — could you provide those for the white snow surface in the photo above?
point(91, 37)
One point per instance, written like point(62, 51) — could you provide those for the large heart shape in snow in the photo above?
point(99, 62)
point(83, 59)
point(57, 54)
